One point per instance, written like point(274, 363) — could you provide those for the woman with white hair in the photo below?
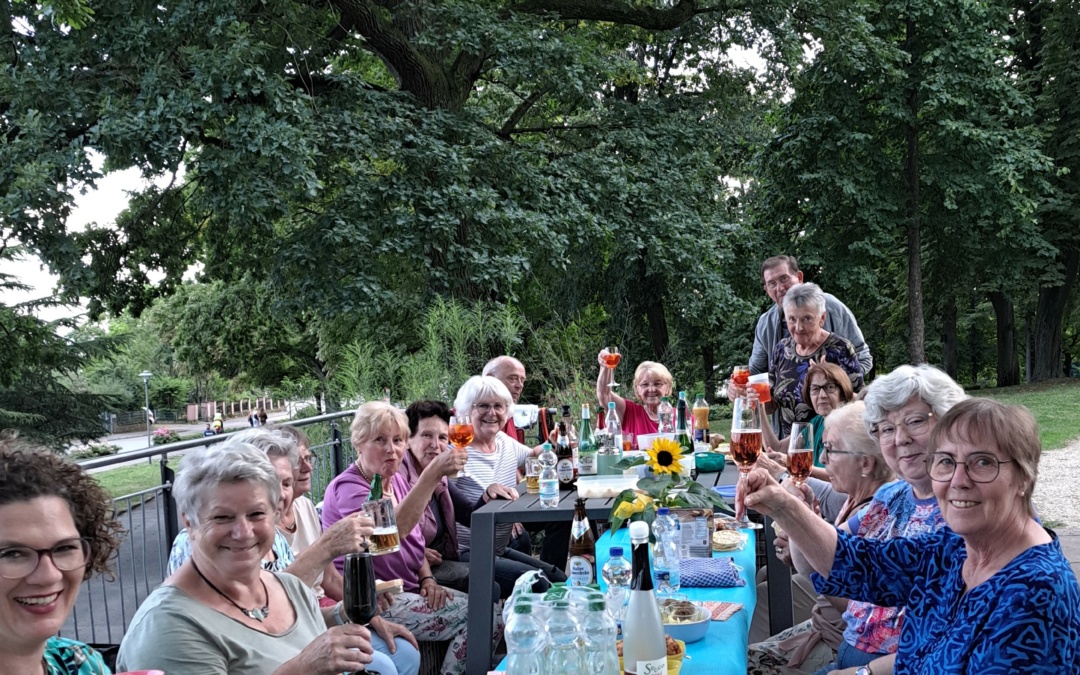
point(807, 340)
point(221, 612)
point(491, 472)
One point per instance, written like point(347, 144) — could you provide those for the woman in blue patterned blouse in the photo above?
point(991, 593)
point(56, 530)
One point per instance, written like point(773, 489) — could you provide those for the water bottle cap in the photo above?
point(615, 551)
point(700, 394)
point(597, 606)
point(663, 511)
point(523, 608)
point(639, 529)
point(611, 405)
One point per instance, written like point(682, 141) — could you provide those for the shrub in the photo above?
point(91, 451)
point(163, 435)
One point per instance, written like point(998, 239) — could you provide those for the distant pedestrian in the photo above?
point(262, 417)
point(208, 431)
point(219, 424)
point(253, 419)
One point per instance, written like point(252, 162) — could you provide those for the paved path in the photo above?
point(1070, 546)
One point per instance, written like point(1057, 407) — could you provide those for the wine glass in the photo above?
point(800, 453)
point(745, 444)
point(461, 434)
point(611, 359)
point(358, 597)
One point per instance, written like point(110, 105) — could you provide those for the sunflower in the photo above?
point(664, 456)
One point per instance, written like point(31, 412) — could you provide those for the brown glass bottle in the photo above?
point(565, 467)
point(581, 567)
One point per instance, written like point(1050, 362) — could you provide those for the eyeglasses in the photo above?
point(914, 425)
point(981, 467)
point(773, 284)
point(310, 459)
point(499, 408)
point(830, 388)
point(828, 448)
point(17, 562)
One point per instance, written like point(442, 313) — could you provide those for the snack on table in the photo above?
point(727, 540)
point(673, 648)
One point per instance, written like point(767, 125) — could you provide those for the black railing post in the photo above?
point(172, 520)
point(339, 449)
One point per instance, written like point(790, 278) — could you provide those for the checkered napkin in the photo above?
point(721, 611)
point(721, 572)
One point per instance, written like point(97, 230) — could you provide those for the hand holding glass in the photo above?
point(611, 358)
point(461, 434)
point(746, 443)
point(800, 452)
point(384, 537)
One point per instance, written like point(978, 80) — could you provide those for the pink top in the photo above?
point(346, 495)
point(636, 420)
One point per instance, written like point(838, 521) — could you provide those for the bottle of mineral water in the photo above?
point(613, 427)
point(598, 631)
point(665, 414)
point(616, 575)
point(525, 641)
point(549, 479)
point(564, 651)
point(666, 558)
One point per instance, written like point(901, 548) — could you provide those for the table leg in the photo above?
point(481, 572)
point(781, 614)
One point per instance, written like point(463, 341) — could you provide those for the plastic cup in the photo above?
point(760, 384)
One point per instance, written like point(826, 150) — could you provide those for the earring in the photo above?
point(865, 475)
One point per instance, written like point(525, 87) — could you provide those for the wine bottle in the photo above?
point(644, 646)
point(682, 435)
point(586, 445)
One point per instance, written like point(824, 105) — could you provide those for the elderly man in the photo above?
point(510, 372)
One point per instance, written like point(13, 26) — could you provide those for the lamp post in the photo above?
point(146, 375)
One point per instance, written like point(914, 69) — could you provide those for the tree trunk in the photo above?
point(950, 348)
point(1008, 361)
point(973, 347)
point(708, 360)
point(916, 324)
point(654, 310)
point(1049, 317)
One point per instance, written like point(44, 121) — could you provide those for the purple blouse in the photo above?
point(346, 495)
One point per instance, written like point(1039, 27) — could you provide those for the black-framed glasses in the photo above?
point(829, 388)
point(778, 282)
point(17, 562)
point(915, 424)
point(981, 467)
point(828, 448)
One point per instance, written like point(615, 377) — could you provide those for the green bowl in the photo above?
point(709, 462)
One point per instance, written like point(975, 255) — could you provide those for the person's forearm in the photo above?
point(813, 537)
point(883, 665)
point(310, 562)
point(603, 391)
point(332, 583)
point(771, 441)
point(410, 510)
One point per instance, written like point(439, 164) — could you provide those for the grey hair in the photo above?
point(274, 443)
point(847, 420)
point(494, 364)
point(805, 295)
point(481, 386)
point(890, 392)
point(205, 470)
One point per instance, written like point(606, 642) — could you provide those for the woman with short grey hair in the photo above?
point(483, 388)
point(221, 611)
point(806, 341)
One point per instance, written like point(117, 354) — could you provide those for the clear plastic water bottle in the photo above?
point(525, 641)
point(598, 631)
point(616, 575)
point(564, 650)
point(666, 558)
point(613, 427)
point(549, 479)
point(665, 414)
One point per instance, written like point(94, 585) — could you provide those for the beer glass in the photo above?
point(800, 452)
point(611, 360)
point(532, 475)
point(746, 444)
point(384, 538)
point(461, 434)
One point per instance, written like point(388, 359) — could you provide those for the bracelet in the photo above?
point(341, 621)
point(423, 579)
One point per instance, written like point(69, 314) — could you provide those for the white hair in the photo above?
point(204, 470)
point(808, 294)
point(273, 443)
point(890, 392)
point(482, 386)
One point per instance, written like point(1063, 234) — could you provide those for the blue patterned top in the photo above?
point(1023, 620)
point(181, 551)
point(68, 657)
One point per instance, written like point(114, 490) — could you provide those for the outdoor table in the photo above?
point(526, 509)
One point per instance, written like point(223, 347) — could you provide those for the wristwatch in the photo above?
point(864, 670)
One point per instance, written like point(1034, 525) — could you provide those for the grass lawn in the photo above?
point(128, 479)
point(1056, 406)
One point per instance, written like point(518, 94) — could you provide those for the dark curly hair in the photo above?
point(29, 472)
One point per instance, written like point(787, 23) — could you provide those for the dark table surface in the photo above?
point(527, 509)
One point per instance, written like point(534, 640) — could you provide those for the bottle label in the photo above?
point(587, 463)
point(654, 667)
point(580, 570)
point(661, 576)
point(549, 489)
point(565, 469)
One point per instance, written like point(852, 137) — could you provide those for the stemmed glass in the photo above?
point(800, 453)
point(611, 359)
point(745, 444)
point(359, 599)
point(461, 434)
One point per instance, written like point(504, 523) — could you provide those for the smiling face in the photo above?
point(235, 531)
point(285, 475)
point(823, 400)
point(805, 325)
point(905, 451)
point(383, 452)
point(979, 509)
point(777, 280)
point(429, 441)
point(35, 607)
point(650, 387)
point(845, 470)
point(489, 415)
point(302, 475)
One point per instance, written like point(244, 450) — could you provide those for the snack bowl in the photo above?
point(690, 631)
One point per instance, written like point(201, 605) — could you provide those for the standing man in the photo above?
point(510, 372)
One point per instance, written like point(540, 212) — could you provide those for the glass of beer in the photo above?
point(384, 538)
point(746, 443)
point(611, 359)
point(800, 452)
point(532, 475)
point(461, 434)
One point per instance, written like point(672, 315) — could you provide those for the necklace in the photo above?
point(388, 490)
point(257, 613)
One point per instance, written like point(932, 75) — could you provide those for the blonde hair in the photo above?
point(372, 417)
point(646, 367)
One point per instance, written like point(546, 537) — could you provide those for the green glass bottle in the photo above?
point(376, 488)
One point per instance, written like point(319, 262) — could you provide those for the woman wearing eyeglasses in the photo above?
point(992, 593)
point(56, 530)
point(491, 472)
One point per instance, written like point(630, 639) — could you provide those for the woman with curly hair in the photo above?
point(56, 530)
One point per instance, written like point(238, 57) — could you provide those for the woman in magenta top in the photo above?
point(652, 381)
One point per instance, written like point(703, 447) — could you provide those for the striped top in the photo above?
point(481, 470)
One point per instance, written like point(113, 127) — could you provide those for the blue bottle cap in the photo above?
point(662, 511)
point(615, 551)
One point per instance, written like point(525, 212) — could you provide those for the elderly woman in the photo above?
point(857, 470)
point(827, 388)
point(56, 531)
point(804, 313)
point(221, 611)
point(379, 434)
point(491, 472)
point(990, 594)
point(652, 382)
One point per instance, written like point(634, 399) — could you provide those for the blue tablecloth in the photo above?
point(723, 651)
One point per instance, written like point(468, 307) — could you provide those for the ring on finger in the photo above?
point(780, 550)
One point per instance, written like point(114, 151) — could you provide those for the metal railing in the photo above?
point(105, 606)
